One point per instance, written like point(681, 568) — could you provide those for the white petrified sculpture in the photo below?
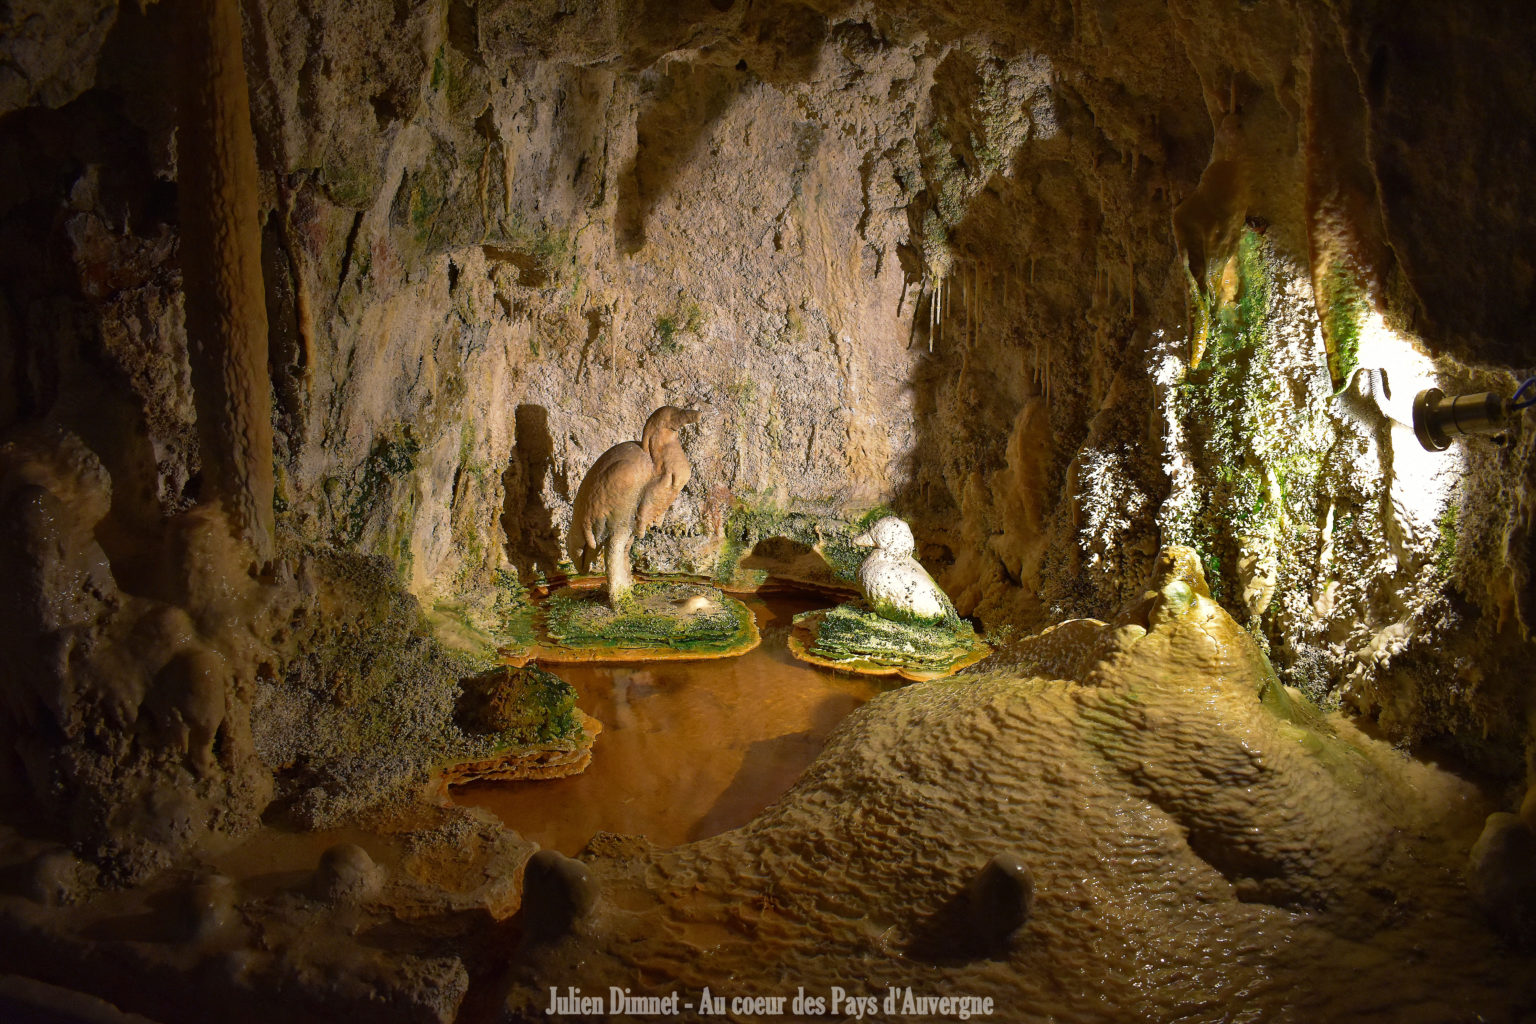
point(894, 584)
point(626, 492)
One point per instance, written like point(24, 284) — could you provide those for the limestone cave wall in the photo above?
point(1060, 283)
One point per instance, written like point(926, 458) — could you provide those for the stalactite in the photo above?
point(933, 314)
point(970, 310)
point(940, 287)
point(221, 269)
point(303, 301)
point(965, 308)
point(968, 305)
point(975, 303)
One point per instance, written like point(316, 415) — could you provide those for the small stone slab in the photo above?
point(551, 761)
point(804, 640)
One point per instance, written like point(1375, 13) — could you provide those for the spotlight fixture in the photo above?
point(1438, 418)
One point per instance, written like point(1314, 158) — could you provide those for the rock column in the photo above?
point(221, 271)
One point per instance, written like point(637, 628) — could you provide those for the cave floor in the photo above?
point(1203, 844)
point(1203, 847)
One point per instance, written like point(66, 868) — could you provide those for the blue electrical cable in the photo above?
point(1515, 403)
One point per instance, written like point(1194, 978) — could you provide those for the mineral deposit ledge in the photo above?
point(836, 1002)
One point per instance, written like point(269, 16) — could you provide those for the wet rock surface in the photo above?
point(1193, 842)
point(1060, 284)
point(978, 267)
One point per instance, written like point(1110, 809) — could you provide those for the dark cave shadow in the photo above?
point(595, 317)
point(75, 267)
point(772, 764)
point(533, 543)
point(776, 554)
point(780, 44)
point(1018, 280)
point(686, 103)
point(67, 294)
point(169, 916)
point(949, 937)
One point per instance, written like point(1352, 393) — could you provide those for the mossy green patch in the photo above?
point(685, 318)
point(652, 616)
point(950, 619)
point(515, 610)
point(1343, 305)
point(1240, 416)
point(364, 707)
point(488, 622)
point(819, 527)
point(350, 187)
point(371, 488)
point(1445, 547)
point(666, 334)
point(856, 637)
point(519, 707)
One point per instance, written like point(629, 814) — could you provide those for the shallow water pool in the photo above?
point(688, 749)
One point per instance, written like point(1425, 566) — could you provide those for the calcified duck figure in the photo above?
point(626, 492)
point(896, 586)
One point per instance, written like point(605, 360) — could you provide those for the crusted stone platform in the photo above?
point(851, 638)
point(555, 760)
point(660, 620)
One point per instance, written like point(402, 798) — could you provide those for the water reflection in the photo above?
point(688, 749)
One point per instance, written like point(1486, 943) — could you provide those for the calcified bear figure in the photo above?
point(626, 492)
point(896, 586)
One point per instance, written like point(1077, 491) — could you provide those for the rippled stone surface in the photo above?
point(1202, 847)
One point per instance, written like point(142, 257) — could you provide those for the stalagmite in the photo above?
point(221, 272)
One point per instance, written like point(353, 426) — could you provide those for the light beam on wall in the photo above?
point(1422, 482)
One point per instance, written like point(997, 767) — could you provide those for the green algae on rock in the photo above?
point(854, 638)
point(367, 717)
point(519, 705)
point(656, 620)
point(802, 542)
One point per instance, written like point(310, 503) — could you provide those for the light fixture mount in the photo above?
point(1438, 418)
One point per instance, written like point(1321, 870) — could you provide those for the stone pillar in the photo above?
point(221, 271)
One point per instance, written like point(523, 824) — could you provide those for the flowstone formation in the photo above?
point(1064, 281)
point(809, 545)
point(960, 268)
point(126, 715)
point(906, 625)
point(1197, 835)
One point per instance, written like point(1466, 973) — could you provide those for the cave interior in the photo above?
point(315, 314)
